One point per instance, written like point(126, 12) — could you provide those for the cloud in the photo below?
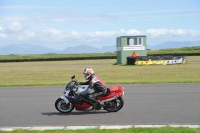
point(172, 32)
point(67, 18)
point(14, 27)
point(16, 32)
point(54, 14)
point(92, 18)
point(26, 36)
point(1, 29)
point(62, 35)
point(53, 34)
point(133, 32)
point(10, 19)
point(51, 14)
point(2, 35)
point(70, 14)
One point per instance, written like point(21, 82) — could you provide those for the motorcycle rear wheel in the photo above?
point(116, 105)
point(62, 107)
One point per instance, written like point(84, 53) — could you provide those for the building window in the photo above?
point(131, 41)
point(140, 41)
point(118, 42)
point(135, 41)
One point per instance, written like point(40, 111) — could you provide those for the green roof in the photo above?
point(131, 36)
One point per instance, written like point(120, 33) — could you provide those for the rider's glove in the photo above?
point(78, 83)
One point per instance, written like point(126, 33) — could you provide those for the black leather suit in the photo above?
point(97, 85)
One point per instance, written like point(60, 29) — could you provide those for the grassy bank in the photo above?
point(184, 50)
point(131, 130)
point(50, 56)
point(51, 73)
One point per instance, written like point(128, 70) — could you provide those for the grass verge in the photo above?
point(39, 57)
point(52, 73)
point(184, 50)
point(51, 56)
point(131, 130)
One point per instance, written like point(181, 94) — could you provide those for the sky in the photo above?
point(60, 24)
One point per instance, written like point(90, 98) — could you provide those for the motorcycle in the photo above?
point(112, 101)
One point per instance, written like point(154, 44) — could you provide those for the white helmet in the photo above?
point(88, 72)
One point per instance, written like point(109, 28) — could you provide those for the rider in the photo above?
point(95, 83)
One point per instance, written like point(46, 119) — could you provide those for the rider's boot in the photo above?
point(97, 104)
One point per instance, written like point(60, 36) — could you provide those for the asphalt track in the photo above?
point(144, 104)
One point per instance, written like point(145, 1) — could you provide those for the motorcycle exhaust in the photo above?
point(107, 100)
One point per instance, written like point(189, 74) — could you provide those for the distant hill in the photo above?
point(172, 44)
point(81, 49)
point(38, 49)
point(88, 49)
point(25, 49)
point(109, 48)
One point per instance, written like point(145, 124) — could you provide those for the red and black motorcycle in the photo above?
point(112, 101)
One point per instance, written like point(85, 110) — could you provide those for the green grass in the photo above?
point(47, 56)
point(184, 50)
point(131, 130)
point(50, 73)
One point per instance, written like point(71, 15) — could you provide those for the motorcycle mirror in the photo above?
point(73, 77)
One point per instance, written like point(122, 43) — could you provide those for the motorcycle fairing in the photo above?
point(79, 104)
point(82, 106)
point(112, 92)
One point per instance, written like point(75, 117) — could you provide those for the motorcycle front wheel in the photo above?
point(115, 105)
point(62, 107)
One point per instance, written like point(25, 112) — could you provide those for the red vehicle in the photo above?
point(112, 101)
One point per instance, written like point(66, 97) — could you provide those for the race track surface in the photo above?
point(144, 104)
